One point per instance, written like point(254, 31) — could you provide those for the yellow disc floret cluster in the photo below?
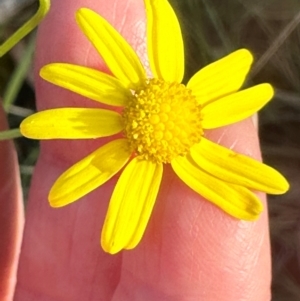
point(162, 121)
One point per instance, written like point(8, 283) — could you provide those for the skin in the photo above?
point(191, 250)
point(11, 214)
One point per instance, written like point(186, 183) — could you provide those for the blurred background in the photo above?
point(211, 29)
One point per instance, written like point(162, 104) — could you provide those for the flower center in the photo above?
point(162, 121)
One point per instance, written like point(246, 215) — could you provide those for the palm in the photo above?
point(191, 250)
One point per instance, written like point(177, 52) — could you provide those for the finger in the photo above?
point(167, 223)
point(11, 214)
point(61, 255)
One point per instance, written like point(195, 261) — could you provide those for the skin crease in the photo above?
point(11, 214)
point(191, 250)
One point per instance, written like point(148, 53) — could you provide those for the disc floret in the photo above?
point(162, 121)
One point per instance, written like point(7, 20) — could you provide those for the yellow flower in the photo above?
point(161, 122)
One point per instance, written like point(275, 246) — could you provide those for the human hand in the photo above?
point(11, 214)
point(191, 250)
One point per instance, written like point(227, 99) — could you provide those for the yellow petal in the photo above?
point(71, 123)
point(236, 200)
point(87, 82)
point(222, 77)
point(236, 107)
point(165, 45)
point(131, 205)
point(239, 169)
point(89, 173)
point(118, 55)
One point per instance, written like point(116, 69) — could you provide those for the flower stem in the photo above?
point(18, 76)
point(26, 28)
point(10, 134)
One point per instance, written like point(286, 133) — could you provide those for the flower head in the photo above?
point(162, 122)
